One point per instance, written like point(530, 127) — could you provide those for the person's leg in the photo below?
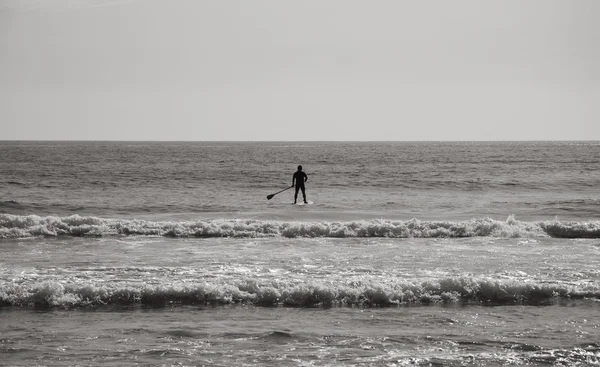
point(304, 194)
point(296, 194)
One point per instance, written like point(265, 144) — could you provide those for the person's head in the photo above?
point(299, 168)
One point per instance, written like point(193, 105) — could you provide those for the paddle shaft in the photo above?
point(271, 196)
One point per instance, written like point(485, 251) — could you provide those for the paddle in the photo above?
point(269, 197)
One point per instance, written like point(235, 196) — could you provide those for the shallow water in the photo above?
point(241, 335)
point(332, 301)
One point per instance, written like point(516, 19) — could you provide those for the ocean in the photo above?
point(411, 253)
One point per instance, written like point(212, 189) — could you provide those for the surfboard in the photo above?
point(301, 203)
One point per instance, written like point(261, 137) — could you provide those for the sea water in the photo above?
point(446, 254)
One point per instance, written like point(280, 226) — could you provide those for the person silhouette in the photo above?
point(299, 179)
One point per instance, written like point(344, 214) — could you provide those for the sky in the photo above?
point(311, 70)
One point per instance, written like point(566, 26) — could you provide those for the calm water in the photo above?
point(443, 254)
point(361, 180)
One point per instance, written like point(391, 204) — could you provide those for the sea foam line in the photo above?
point(291, 293)
point(21, 226)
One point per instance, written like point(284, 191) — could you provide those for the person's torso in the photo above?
point(299, 176)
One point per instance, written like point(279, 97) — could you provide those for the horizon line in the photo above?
point(297, 141)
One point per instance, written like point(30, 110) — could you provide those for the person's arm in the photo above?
point(293, 179)
point(305, 177)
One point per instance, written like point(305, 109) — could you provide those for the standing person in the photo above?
point(299, 178)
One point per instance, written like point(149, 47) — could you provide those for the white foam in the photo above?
point(291, 293)
point(16, 226)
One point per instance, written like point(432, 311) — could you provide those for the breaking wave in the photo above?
point(21, 226)
point(18, 226)
point(293, 294)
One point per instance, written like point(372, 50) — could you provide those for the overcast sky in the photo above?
point(300, 70)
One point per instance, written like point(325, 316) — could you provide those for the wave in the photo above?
point(22, 226)
point(17, 226)
point(291, 293)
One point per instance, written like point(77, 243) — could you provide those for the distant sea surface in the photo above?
point(425, 253)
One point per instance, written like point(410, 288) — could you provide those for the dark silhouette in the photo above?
point(299, 178)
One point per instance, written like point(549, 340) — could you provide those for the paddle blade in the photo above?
point(269, 197)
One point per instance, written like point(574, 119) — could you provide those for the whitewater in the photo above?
point(429, 253)
point(14, 226)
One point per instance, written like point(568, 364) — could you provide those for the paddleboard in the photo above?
point(301, 203)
